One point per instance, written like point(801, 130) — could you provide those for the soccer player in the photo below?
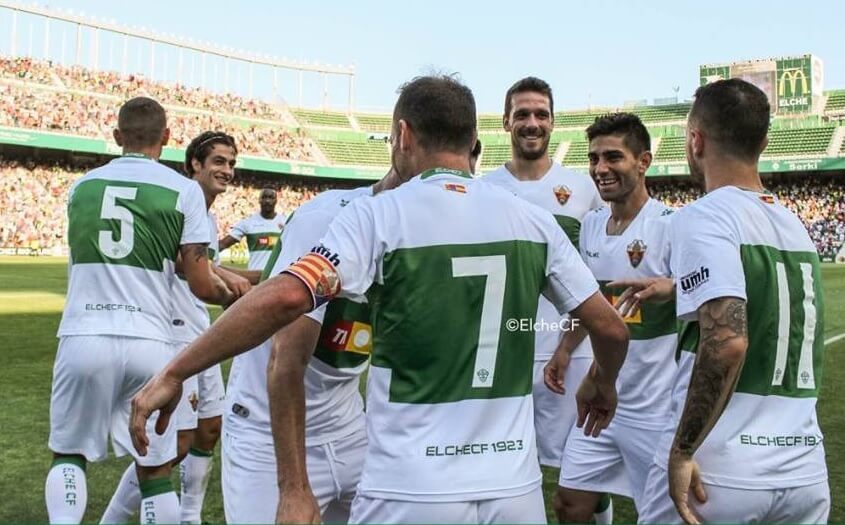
point(532, 175)
point(446, 262)
point(744, 443)
point(628, 240)
point(261, 230)
point(210, 160)
point(127, 223)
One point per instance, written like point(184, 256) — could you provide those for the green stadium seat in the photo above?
point(373, 122)
point(835, 101)
point(333, 119)
point(361, 152)
point(576, 155)
point(489, 123)
point(806, 141)
point(671, 149)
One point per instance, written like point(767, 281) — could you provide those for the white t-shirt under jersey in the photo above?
point(126, 222)
point(569, 196)
point(738, 243)
point(641, 251)
point(445, 261)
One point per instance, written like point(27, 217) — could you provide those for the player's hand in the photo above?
point(236, 284)
point(298, 507)
point(684, 477)
point(596, 400)
point(646, 290)
point(555, 371)
point(160, 393)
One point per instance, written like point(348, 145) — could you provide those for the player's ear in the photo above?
point(165, 137)
point(406, 135)
point(645, 161)
point(118, 138)
point(506, 122)
point(197, 165)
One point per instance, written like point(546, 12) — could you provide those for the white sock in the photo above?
point(66, 491)
point(605, 517)
point(159, 503)
point(195, 471)
point(126, 498)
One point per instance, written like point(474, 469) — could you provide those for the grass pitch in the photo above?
point(31, 298)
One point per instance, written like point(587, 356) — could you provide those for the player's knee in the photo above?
point(183, 445)
point(570, 509)
point(208, 433)
point(146, 473)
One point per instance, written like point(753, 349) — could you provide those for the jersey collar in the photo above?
point(444, 171)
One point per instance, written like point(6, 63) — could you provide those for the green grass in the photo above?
point(31, 297)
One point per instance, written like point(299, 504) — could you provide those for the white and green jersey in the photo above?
point(448, 265)
point(333, 405)
point(190, 315)
point(261, 235)
point(737, 243)
point(569, 196)
point(126, 221)
point(642, 250)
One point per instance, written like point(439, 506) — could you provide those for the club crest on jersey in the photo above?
point(636, 251)
point(562, 194)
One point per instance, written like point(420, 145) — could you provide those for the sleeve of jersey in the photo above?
point(345, 260)
point(705, 260)
point(238, 230)
point(568, 280)
point(195, 229)
point(299, 236)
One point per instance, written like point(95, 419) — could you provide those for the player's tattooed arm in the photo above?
point(721, 353)
point(198, 252)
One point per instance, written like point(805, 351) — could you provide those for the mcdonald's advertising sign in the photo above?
point(794, 85)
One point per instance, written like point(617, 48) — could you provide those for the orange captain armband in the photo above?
point(319, 275)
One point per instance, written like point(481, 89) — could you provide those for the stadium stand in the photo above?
point(360, 152)
point(331, 119)
point(33, 198)
point(835, 101)
point(490, 123)
point(494, 154)
point(576, 155)
point(671, 149)
point(26, 69)
point(374, 122)
point(792, 142)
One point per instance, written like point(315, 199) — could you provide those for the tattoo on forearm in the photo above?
point(723, 323)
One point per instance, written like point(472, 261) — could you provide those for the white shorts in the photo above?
point(185, 414)
point(527, 508)
point(250, 485)
point(807, 504)
point(555, 414)
point(617, 461)
point(94, 380)
point(211, 393)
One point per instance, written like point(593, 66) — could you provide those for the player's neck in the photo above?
point(525, 169)
point(388, 182)
point(623, 213)
point(209, 199)
point(731, 172)
point(269, 215)
point(442, 159)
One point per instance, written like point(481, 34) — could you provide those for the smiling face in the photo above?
point(217, 170)
point(530, 125)
point(615, 169)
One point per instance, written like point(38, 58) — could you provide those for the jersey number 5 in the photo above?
point(494, 267)
point(112, 210)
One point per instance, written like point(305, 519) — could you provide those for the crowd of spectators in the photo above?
point(82, 111)
point(33, 200)
point(820, 204)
